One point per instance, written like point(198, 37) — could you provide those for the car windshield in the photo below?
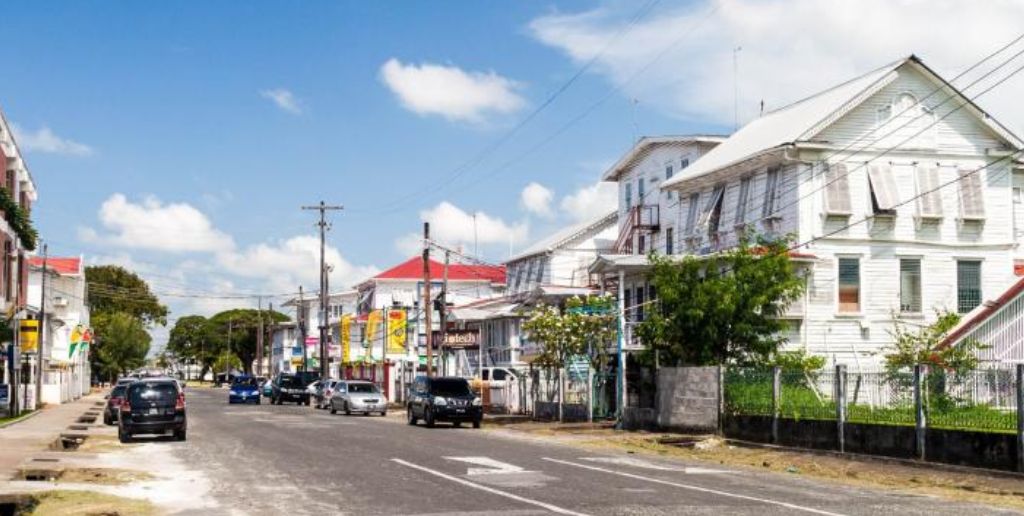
point(153, 392)
point(362, 387)
point(290, 382)
point(449, 387)
point(245, 382)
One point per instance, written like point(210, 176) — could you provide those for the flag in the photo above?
point(346, 338)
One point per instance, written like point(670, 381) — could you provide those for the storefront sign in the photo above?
point(458, 339)
point(346, 339)
point(28, 335)
point(396, 331)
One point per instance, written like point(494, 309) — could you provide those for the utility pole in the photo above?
point(259, 338)
point(227, 359)
point(42, 331)
point(324, 226)
point(444, 313)
point(301, 316)
point(270, 331)
point(428, 303)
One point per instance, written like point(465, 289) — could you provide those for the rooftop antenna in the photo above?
point(736, 88)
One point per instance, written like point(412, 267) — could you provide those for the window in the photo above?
point(629, 195)
point(499, 375)
point(627, 304)
point(972, 203)
point(683, 163)
point(968, 285)
point(716, 212)
point(641, 244)
point(669, 241)
point(1016, 195)
point(771, 187)
point(849, 285)
point(929, 200)
point(713, 205)
point(741, 201)
point(837, 189)
point(668, 175)
point(691, 216)
point(910, 285)
point(884, 193)
point(640, 183)
point(639, 304)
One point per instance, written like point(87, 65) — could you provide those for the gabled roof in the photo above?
point(567, 235)
point(645, 145)
point(801, 121)
point(982, 313)
point(62, 266)
point(412, 269)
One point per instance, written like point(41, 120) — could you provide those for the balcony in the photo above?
point(643, 217)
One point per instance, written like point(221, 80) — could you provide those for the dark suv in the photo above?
point(291, 387)
point(152, 406)
point(445, 398)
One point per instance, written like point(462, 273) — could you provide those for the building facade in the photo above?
point(65, 325)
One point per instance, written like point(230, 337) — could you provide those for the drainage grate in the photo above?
point(40, 475)
point(45, 459)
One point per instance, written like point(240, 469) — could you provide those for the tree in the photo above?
point(122, 346)
point(192, 340)
point(241, 325)
point(721, 308)
point(924, 346)
point(113, 288)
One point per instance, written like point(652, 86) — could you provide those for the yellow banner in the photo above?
point(373, 326)
point(346, 339)
point(396, 331)
point(29, 336)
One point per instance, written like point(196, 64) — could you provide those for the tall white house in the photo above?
point(903, 197)
point(66, 368)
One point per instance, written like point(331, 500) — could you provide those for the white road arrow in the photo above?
point(490, 466)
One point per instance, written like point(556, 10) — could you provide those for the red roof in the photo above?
point(982, 312)
point(58, 265)
point(412, 269)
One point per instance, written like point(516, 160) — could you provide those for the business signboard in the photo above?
point(458, 339)
point(5, 396)
point(28, 335)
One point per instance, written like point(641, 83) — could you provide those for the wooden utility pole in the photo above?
point(259, 338)
point(444, 313)
point(301, 316)
point(42, 332)
point(270, 332)
point(323, 326)
point(428, 303)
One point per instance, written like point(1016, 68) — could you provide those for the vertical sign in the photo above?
point(29, 335)
point(396, 331)
point(373, 326)
point(346, 339)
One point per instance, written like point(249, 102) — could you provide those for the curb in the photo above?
point(938, 466)
point(33, 414)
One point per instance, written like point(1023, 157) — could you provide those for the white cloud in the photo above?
point(453, 226)
point(45, 140)
point(536, 198)
point(284, 99)
point(433, 89)
point(791, 48)
point(286, 264)
point(590, 202)
point(153, 225)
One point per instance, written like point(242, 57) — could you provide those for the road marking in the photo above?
point(696, 488)
point(638, 463)
point(553, 508)
point(490, 466)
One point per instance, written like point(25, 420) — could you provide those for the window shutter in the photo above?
point(972, 203)
point(741, 201)
point(883, 186)
point(705, 216)
point(929, 200)
point(771, 184)
point(837, 189)
point(691, 213)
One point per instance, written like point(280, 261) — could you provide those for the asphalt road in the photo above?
point(296, 460)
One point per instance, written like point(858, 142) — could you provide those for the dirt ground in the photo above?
point(994, 489)
point(85, 503)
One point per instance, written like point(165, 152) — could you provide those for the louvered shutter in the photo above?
point(883, 186)
point(929, 200)
point(771, 184)
point(972, 203)
point(741, 201)
point(837, 190)
point(705, 216)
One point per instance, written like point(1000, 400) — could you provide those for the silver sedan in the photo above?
point(358, 396)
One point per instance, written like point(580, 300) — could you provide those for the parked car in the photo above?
point(324, 390)
point(114, 400)
point(267, 388)
point(126, 380)
point(245, 389)
point(358, 396)
point(445, 398)
point(289, 387)
point(152, 406)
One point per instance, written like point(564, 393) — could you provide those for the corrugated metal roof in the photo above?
point(567, 235)
point(645, 145)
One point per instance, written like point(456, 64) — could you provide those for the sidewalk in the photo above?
point(35, 434)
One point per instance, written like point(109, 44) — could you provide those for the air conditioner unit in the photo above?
point(60, 302)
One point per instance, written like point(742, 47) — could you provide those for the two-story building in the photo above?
point(66, 325)
point(900, 193)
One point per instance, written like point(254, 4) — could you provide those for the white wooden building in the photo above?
point(905, 194)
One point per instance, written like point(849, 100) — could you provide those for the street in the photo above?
point(293, 459)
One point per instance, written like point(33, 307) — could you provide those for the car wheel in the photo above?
point(123, 437)
point(456, 424)
point(428, 418)
point(348, 411)
point(308, 401)
point(107, 420)
point(334, 410)
point(258, 402)
point(411, 418)
point(179, 435)
point(383, 413)
point(476, 423)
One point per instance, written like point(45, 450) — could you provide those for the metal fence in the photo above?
point(981, 400)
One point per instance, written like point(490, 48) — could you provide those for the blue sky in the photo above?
point(153, 133)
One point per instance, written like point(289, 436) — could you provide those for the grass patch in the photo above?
point(86, 503)
point(103, 476)
point(25, 414)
